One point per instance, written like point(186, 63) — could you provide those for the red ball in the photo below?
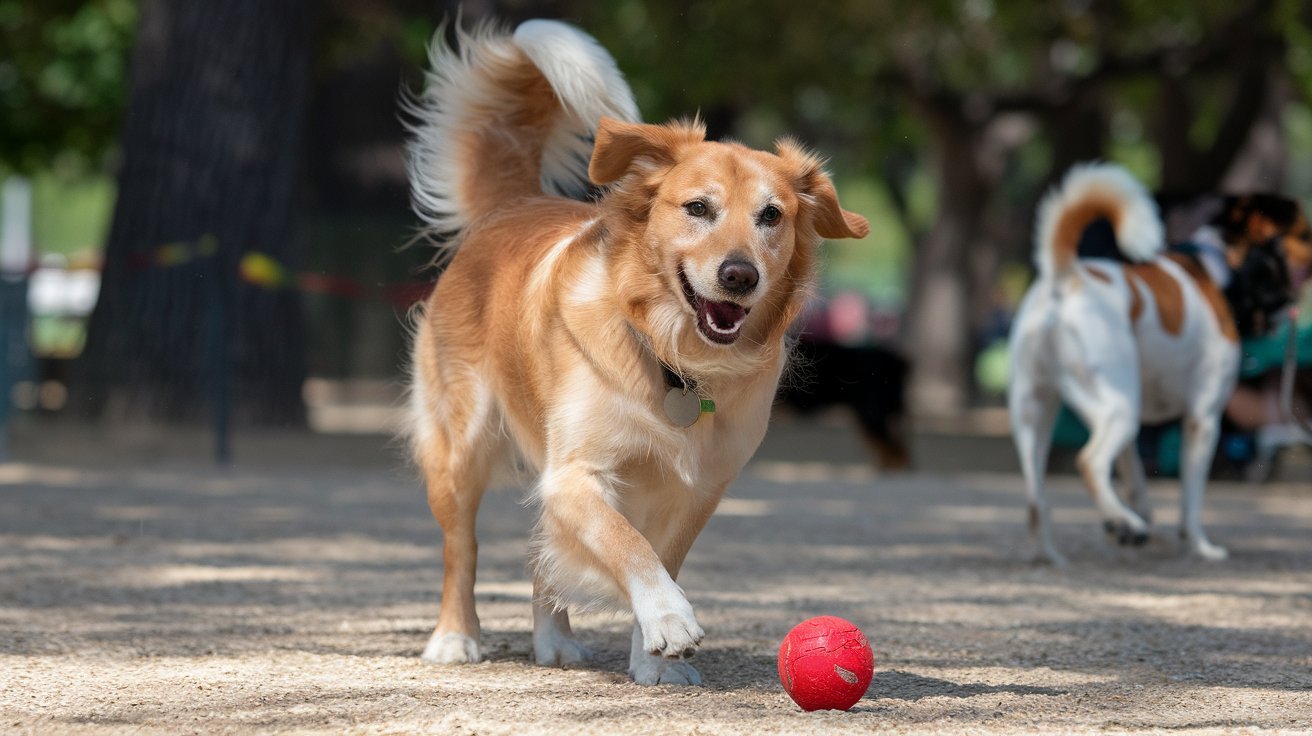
point(825, 663)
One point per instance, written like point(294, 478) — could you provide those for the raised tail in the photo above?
point(506, 116)
point(1091, 192)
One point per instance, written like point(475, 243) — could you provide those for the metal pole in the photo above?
point(220, 289)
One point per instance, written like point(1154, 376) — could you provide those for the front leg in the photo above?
point(588, 548)
point(672, 543)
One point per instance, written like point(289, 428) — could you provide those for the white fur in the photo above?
point(451, 648)
point(590, 86)
point(458, 94)
point(664, 616)
point(553, 645)
point(653, 669)
point(1073, 342)
point(1139, 232)
point(542, 272)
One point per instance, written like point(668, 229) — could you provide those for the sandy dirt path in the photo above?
point(296, 596)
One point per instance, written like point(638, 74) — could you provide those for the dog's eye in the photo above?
point(771, 214)
point(696, 208)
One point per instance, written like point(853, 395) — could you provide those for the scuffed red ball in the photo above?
point(825, 663)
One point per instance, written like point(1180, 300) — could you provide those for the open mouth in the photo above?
point(719, 322)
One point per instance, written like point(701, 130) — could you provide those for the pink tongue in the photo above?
point(724, 314)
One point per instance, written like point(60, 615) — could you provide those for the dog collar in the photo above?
point(683, 403)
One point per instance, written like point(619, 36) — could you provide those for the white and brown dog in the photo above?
point(1146, 338)
point(629, 348)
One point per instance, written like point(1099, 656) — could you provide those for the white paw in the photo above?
point(1200, 547)
point(451, 648)
point(671, 634)
point(552, 648)
point(646, 669)
point(1050, 556)
point(664, 619)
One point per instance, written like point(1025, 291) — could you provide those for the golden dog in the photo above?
point(630, 347)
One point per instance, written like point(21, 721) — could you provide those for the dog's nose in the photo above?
point(738, 276)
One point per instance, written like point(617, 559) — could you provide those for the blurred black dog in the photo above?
point(871, 381)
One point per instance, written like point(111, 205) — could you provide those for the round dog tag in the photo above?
point(683, 407)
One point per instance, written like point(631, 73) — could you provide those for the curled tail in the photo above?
point(507, 116)
point(1091, 192)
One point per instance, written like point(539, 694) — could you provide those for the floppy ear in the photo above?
point(831, 220)
point(619, 144)
point(817, 193)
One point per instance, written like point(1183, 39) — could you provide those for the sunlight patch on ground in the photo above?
point(188, 574)
point(22, 473)
point(779, 471)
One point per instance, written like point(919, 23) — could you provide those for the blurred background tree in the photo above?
point(62, 80)
point(211, 147)
point(943, 120)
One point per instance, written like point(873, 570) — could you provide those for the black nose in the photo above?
point(738, 276)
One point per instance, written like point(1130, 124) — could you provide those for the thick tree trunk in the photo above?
point(211, 164)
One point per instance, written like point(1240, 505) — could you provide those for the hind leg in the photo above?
point(1033, 414)
point(1130, 467)
point(454, 445)
point(1114, 424)
point(1198, 446)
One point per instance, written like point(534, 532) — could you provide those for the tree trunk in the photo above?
point(938, 324)
point(211, 162)
point(1187, 168)
point(1262, 164)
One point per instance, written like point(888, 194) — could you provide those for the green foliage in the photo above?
point(873, 265)
point(63, 79)
point(849, 74)
point(71, 214)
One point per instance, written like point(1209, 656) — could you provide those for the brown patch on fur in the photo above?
point(1099, 274)
point(1073, 221)
point(1166, 291)
point(1211, 292)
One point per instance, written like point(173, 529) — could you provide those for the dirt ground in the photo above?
point(146, 591)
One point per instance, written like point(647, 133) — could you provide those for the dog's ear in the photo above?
point(619, 145)
point(818, 196)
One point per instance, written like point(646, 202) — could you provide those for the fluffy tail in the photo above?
point(1091, 192)
point(507, 116)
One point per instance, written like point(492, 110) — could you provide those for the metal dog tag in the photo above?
point(682, 406)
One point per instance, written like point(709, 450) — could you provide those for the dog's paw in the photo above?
point(646, 669)
point(1127, 533)
point(451, 648)
point(1050, 556)
point(552, 648)
point(674, 634)
point(1205, 550)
